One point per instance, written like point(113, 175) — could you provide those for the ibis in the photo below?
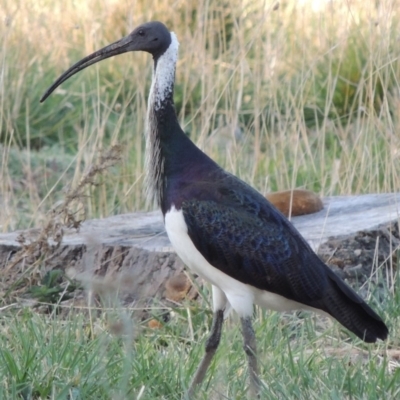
point(223, 229)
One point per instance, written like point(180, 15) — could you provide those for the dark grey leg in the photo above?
point(249, 345)
point(211, 347)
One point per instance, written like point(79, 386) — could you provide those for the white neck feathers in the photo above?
point(164, 75)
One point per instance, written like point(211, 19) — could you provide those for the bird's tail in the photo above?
point(345, 305)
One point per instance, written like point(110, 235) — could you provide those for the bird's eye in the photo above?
point(141, 33)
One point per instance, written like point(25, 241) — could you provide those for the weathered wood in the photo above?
point(133, 250)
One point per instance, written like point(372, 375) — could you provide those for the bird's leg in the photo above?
point(249, 345)
point(211, 347)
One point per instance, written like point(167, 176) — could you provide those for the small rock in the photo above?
point(353, 272)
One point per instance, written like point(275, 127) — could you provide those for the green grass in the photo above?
point(46, 357)
point(110, 353)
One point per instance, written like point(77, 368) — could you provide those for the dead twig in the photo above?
point(38, 244)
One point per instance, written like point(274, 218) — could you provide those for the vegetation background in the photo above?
point(283, 94)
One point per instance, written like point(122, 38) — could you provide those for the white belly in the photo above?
point(240, 295)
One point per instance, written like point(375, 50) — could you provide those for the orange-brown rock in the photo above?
point(154, 324)
point(177, 287)
point(296, 202)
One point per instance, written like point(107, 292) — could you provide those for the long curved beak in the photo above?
point(120, 46)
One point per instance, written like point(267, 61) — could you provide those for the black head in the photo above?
point(152, 37)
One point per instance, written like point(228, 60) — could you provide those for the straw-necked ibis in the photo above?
point(223, 229)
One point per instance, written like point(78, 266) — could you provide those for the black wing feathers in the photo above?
point(254, 251)
point(239, 232)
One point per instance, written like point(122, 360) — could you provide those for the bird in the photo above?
point(223, 229)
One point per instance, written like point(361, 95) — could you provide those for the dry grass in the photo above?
point(310, 88)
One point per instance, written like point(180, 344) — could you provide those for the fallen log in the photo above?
point(131, 252)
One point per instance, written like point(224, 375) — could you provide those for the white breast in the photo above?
point(240, 295)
